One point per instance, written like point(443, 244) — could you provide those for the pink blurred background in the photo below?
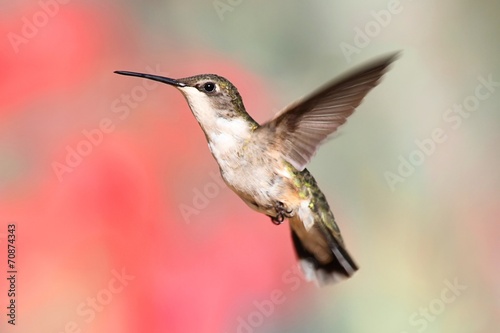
point(123, 241)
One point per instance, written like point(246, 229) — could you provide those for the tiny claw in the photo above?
point(281, 213)
point(278, 219)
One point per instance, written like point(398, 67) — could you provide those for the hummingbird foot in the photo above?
point(281, 213)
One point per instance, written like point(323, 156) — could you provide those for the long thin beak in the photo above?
point(161, 79)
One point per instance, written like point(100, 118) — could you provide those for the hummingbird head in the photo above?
point(214, 101)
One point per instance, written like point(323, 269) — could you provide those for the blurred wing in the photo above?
point(304, 125)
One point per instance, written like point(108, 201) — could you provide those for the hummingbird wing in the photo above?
point(302, 127)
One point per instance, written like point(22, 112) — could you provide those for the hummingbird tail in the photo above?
point(322, 257)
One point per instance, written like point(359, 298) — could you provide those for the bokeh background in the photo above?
point(138, 234)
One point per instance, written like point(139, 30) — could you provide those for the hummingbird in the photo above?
point(265, 164)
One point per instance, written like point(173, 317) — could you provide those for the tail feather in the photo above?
point(338, 266)
point(317, 237)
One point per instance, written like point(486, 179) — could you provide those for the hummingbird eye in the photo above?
point(209, 86)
